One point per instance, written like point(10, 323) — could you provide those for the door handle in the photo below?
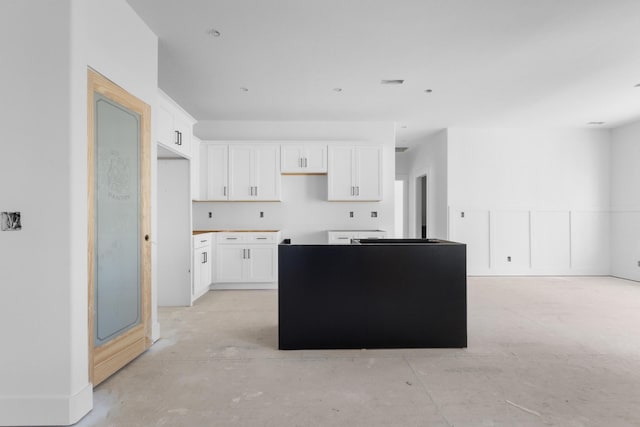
point(224, 190)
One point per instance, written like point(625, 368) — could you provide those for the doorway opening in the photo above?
point(421, 205)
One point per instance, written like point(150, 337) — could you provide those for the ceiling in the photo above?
point(488, 63)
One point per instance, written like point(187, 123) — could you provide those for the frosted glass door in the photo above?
point(117, 220)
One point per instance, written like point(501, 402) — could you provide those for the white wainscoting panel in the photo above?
point(510, 243)
point(471, 227)
point(551, 242)
point(590, 242)
point(625, 251)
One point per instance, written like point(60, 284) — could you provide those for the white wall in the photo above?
point(429, 158)
point(304, 215)
point(625, 202)
point(43, 170)
point(540, 197)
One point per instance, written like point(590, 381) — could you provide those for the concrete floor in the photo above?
point(542, 352)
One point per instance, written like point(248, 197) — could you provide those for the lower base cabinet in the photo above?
point(247, 257)
point(201, 265)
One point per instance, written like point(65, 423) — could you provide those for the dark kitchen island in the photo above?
point(374, 293)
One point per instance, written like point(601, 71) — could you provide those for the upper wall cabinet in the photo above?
point(304, 158)
point(355, 173)
point(254, 172)
point(216, 172)
point(175, 126)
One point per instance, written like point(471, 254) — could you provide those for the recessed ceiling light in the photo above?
point(595, 123)
point(392, 82)
point(213, 32)
point(428, 90)
point(337, 89)
point(244, 89)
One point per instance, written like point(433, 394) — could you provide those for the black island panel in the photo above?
point(378, 295)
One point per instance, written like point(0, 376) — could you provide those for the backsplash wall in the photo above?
point(304, 215)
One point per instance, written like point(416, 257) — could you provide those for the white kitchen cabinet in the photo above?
point(202, 269)
point(343, 237)
point(215, 174)
point(354, 173)
point(247, 257)
point(254, 172)
point(304, 158)
point(175, 126)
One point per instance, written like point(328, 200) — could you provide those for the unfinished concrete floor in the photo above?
point(542, 351)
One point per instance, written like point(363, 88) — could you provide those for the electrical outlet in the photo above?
point(210, 215)
point(10, 221)
point(351, 214)
point(374, 214)
point(261, 214)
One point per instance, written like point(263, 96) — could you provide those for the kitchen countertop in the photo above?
point(196, 232)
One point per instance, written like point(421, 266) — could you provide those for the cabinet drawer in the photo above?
point(201, 240)
point(263, 237)
point(231, 238)
point(371, 234)
point(341, 238)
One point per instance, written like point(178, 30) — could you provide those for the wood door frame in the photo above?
point(108, 358)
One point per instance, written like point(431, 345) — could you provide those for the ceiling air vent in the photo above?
point(392, 82)
point(401, 149)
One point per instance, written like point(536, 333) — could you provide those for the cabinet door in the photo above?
point(341, 174)
point(262, 263)
point(217, 172)
point(240, 183)
point(266, 172)
point(197, 271)
point(230, 263)
point(291, 159)
point(205, 278)
point(315, 158)
point(368, 165)
point(165, 129)
point(184, 138)
point(201, 270)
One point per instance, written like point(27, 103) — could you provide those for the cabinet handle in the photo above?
point(299, 162)
point(204, 258)
point(231, 238)
point(358, 190)
point(256, 190)
point(203, 241)
point(306, 162)
point(248, 253)
point(224, 190)
point(177, 137)
point(261, 238)
point(342, 238)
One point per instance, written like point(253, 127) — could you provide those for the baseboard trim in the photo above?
point(243, 286)
point(155, 331)
point(46, 410)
